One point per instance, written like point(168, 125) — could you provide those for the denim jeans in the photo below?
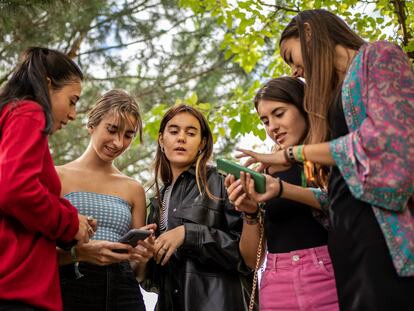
point(108, 288)
point(300, 280)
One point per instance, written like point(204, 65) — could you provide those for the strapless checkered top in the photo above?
point(112, 213)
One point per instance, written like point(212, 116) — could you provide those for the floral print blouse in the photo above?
point(376, 158)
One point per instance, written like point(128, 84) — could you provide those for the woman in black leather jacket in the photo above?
point(197, 264)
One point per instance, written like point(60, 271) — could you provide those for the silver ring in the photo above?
point(89, 218)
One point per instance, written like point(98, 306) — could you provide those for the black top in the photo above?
point(290, 225)
point(343, 205)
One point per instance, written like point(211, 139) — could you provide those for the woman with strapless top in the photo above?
point(97, 276)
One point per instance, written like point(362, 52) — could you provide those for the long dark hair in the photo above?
point(287, 90)
point(29, 79)
point(322, 80)
point(162, 164)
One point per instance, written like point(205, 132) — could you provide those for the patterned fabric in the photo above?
point(322, 197)
point(112, 213)
point(322, 215)
point(376, 158)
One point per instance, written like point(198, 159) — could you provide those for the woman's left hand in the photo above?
point(272, 187)
point(167, 243)
point(144, 251)
point(238, 196)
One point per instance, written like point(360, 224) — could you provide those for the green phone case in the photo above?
point(230, 167)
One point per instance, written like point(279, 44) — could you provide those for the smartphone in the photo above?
point(229, 167)
point(132, 237)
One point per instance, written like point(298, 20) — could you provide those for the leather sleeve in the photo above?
point(214, 246)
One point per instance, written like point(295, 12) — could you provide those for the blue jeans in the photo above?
point(109, 288)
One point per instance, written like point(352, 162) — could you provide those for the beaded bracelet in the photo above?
point(289, 155)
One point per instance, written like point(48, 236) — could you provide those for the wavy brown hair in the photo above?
point(162, 165)
point(322, 80)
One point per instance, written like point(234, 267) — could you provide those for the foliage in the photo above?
point(155, 50)
point(213, 54)
point(253, 28)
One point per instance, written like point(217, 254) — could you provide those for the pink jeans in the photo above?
point(299, 280)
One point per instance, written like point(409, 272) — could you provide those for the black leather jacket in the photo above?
point(207, 272)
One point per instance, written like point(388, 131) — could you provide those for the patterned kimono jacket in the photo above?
point(376, 158)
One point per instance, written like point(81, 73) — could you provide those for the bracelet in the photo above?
point(251, 221)
point(299, 153)
point(251, 215)
point(303, 153)
point(252, 218)
point(75, 261)
point(280, 189)
point(73, 254)
point(290, 155)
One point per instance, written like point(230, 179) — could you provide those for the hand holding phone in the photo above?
point(230, 167)
point(132, 237)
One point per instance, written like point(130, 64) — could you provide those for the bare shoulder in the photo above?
point(65, 170)
point(134, 186)
point(134, 191)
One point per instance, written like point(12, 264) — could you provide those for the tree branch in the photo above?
point(278, 7)
point(400, 11)
point(159, 33)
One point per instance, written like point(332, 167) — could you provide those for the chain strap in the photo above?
point(258, 256)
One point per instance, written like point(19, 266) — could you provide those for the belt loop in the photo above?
point(314, 255)
point(271, 264)
point(274, 261)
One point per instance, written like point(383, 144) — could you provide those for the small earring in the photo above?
point(162, 149)
point(199, 152)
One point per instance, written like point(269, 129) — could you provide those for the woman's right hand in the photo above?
point(238, 196)
point(275, 159)
point(85, 230)
point(102, 252)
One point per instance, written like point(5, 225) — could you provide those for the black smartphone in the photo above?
point(132, 237)
point(229, 167)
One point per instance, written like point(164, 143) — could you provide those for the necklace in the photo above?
point(164, 208)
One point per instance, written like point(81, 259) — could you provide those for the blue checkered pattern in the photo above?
point(112, 213)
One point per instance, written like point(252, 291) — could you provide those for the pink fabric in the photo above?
point(300, 280)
